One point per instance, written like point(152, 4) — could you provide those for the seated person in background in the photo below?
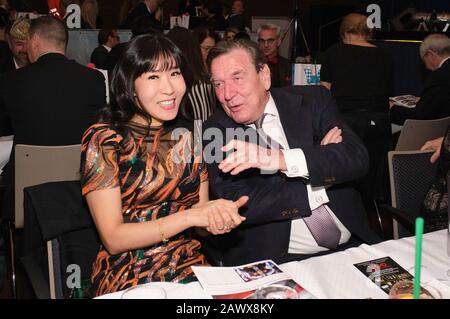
point(230, 33)
point(269, 40)
point(142, 26)
point(236, 18)
point(53, 100)
point(435, 205)
point(207, 39)
point(359, 75)
point(149, 10)
point(141, 175)
point(311, 147)
point(201, 100)
point(90, 18)
point(107, 39)
point(15, 56)
point(214, 20)
point(434, 100)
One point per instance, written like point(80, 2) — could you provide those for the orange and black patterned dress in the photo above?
point(159, 174)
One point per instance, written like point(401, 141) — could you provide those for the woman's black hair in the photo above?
point(144, 53)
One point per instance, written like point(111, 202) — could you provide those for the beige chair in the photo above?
point(36, 165)
point(415, 133)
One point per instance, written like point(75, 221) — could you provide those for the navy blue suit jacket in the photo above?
point(276, 199)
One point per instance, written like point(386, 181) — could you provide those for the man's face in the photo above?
point(229, 36)
point(431, 60)
point(19, 51)
point(152, 5)
point(237, 7)
point(241, 90)
point(268, 42)
point(114, 39)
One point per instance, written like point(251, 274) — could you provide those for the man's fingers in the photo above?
point(332, 136)
point(426, 146)
point(435, 156)
point(233, 144)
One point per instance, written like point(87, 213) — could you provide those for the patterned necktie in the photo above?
point(322, 227)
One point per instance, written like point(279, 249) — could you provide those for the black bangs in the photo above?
point(154, 53)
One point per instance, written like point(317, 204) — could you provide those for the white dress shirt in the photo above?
point(301, 240)
point(443, 61)
point(107, 48)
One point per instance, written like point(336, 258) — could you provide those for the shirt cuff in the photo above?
point(296, 163)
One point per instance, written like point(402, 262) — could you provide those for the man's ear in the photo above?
point(265, 76)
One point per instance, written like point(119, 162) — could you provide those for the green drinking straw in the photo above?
point(419, 235)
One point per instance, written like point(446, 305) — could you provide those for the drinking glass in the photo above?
point(276, 292)
point(404, 289)
point(145, 292)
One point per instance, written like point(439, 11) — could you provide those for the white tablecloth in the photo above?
point(334, 276)
point(6, 143)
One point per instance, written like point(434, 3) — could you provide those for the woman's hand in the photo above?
point(218, 216)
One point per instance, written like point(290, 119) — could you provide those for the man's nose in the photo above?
point(229, 91)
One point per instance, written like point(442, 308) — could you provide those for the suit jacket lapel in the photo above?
point(293, 118)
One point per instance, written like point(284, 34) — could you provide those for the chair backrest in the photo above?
point(64, 222)
point(40, 164)
point(283, 23)
point(411, 174)
point(415, 133)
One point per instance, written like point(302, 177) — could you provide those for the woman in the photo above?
point(207, 40)
point(359, 76)
point(142, 177)
point(89, 15)
point(201, 98)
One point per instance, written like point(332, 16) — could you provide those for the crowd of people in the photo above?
point(281, 172)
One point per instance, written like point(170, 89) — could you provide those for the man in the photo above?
point(236, 18)
point(269, 40)
point(147, 8)
point(434, 101)
point(107, 39)
point(15, 55)
point(53, 100)
point(307, 159)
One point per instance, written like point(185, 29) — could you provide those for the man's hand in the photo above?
point(433, 145)
point(334, 136)
point(247, 155)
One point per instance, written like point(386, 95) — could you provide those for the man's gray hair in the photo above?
point(438, 43)
point(224, 47)
point(270, 26)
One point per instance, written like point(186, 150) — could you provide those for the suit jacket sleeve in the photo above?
point(333, 163)
point(434, 99)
